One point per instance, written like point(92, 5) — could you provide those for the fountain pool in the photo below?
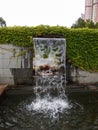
point(49, 108)
point(16, 113)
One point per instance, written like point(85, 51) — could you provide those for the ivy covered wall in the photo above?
point(82, 44)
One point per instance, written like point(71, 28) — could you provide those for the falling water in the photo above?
point(50, 73)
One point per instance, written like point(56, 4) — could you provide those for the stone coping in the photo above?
point(70, 89)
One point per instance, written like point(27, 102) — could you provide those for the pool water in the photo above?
point(23, 112)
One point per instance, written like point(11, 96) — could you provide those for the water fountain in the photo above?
point(50, 74)
point(50, 109)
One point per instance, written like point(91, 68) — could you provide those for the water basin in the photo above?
point(23, 112)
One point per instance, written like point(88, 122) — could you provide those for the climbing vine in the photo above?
point(82, 44)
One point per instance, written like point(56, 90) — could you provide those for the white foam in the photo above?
point(52, 106)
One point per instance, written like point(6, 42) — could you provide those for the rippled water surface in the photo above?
point(26, 113)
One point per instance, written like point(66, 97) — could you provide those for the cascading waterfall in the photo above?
point(50, 73)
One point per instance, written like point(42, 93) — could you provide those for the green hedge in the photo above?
point(82, 44)
point(82, 48)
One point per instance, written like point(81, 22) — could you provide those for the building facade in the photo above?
point(91, 10)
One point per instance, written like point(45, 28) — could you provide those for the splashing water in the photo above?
point(52, 107)
point(50, 74)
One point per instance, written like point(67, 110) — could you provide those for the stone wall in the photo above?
point(76, 75)
point(15, 65)
point(16, 68)
point(84, 77)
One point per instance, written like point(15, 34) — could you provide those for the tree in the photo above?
point(96, 25)
point(2, 22)
point(80, 23)
point(89, 24)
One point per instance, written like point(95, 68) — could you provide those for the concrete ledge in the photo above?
point(72, 89)
point(19, 90)
point(75, 89)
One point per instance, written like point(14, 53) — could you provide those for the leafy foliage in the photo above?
point(2, 22)
point(80, 23)
point(82, 44)
point(82, 48)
